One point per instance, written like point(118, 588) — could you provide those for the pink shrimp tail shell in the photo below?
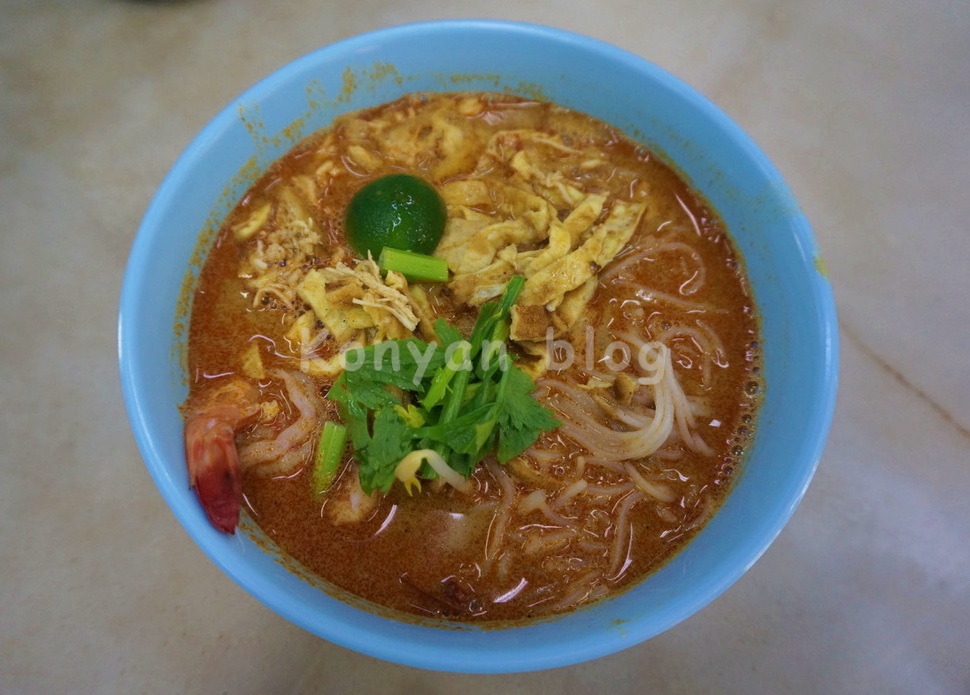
point(214, 470)
point(210, 451)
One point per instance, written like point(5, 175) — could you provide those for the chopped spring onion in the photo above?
point(330, 451)
point(414, 266)
point(439, 382)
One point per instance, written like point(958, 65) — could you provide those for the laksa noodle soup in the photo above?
point(473, 357)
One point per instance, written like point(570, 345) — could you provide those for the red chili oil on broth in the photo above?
point(561, 526)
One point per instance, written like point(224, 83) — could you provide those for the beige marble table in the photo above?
point(862, 105)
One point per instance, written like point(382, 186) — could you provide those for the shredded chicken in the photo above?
point(358, 304)
point(285, 238)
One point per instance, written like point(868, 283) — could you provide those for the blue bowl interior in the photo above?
point(794, 298)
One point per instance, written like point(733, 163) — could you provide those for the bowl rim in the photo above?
point(359, 634)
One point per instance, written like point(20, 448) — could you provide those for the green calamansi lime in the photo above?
point(398, 210)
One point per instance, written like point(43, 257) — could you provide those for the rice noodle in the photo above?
point(581, 425)
point(720, 355)
point(622, 263)
point(650, 294)
point(581, 397)
point(686, 421)
point(548, 542)
point(500, 520)
point(287, 464)
point(531, 502)
point(696, 280)
point(298, 390)
point(536, 501)
point(570, 492)
point(656, 490)
point(681, 408)
point(556, 518)
point(522, 469)
point(543, 457)
point(579, 466)
point(577, 590)
point(706, 342)
point(703, 516)
point(615, 273)
point(592, 547)
point(623, 535)
point(609, 490)
point(503, 566)
point(609, 464)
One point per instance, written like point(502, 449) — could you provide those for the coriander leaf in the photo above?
point(389, 443)
point(512, 442)
point(401, 363)
point(356, 418)
point(521, 417)
point(355, 387)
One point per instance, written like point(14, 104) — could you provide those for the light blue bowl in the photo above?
point(794, 297)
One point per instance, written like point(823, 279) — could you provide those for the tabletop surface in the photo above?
point(863, 106)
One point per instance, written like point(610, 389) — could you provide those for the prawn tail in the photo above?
point(214, 470)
